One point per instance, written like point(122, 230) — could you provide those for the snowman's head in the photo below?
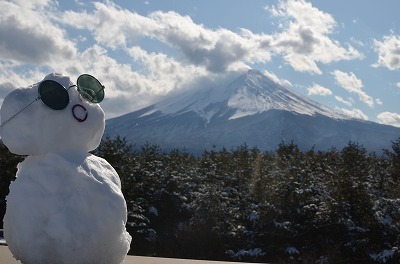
point(53, 115)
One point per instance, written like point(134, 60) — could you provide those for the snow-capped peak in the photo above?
point(257, 93)
point(251, 93)
point(251, 109)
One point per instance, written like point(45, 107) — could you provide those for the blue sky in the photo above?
point(344, 54)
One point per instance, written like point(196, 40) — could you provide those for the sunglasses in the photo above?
point(55, 96)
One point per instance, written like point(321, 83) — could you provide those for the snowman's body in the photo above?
point(65, 206)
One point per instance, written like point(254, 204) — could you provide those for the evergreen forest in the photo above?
point(242, 204)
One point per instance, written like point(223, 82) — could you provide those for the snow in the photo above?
point(254, 216)
point(39, 129)
point(204, 103)
point(250, 94)
point(292, 251)
point(66, 200)
point(385, 255)
point(256, 252)
point(258, 94)
point(152, 111)
point(153, 210)
point(249, 109)
point(283, 225)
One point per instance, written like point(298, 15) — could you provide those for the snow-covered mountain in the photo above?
point(250, 94)
point(252, 109)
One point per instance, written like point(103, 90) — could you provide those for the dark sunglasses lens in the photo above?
point(53, 94)
point(90, 88)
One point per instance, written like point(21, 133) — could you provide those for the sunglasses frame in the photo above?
point(56, 109)
point(82, 92)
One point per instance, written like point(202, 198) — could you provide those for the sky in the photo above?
point(343, 54)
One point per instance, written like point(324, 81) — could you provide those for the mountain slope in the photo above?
point(249, 94)
point(253, 110)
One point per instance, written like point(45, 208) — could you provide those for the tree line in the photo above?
point(242, 204)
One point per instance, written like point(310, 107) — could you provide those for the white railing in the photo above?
point(7, 258)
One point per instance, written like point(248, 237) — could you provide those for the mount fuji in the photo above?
point(252, 110)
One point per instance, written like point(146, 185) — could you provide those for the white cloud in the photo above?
point(357, 42)
point(398, 85)
point(216, 50)
point(111, 25)
point(388, 52)
point(29, 35)
point(354, 113)
point(276, 79)
point(317, 89)
point(11, 79)
point(344, 101)
point(37, 30)
point(305, 40)
point(389, 118)
point(170, 75)
point(126, 89)
point(303, 43)
point(129, 90)
point(352, 84)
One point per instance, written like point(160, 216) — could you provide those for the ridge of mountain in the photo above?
point(249, 94)
point(251, 109)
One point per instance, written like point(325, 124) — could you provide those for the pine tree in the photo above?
point(354, 200)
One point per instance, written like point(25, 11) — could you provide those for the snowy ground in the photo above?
point(6, 258)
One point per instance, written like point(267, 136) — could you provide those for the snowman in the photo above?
point(66, 205)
